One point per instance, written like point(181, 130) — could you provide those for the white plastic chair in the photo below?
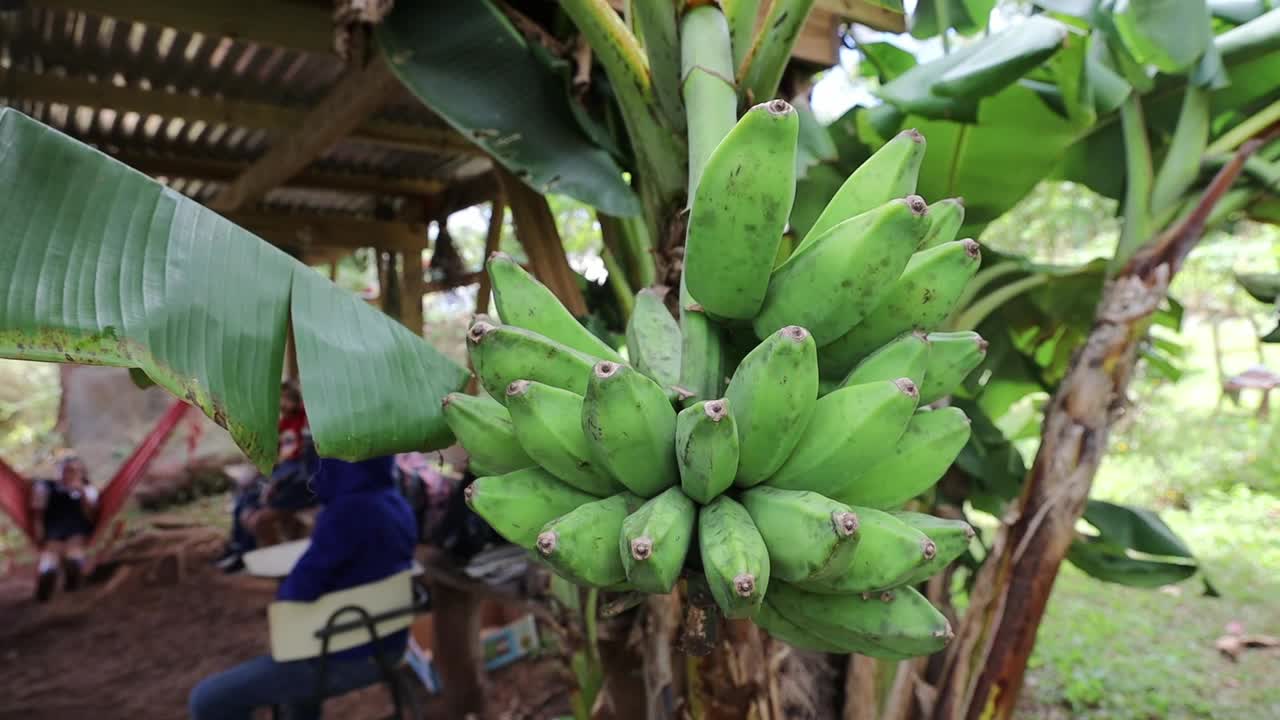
point(342, 620)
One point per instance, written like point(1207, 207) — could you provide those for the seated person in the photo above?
point(365, 533)
point(288, 489)
point(65, 510)
point(246, 499)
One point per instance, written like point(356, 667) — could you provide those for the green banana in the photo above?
point(840, 277)
point(778, 626)
point(548, 425)
point(771, 396)
point(519, 503)
point(950, 537)
point(889, 173)
point(526, 303)
point(906, 356)
point(740, 209)
point(945, 218)
point(895, 624)
point(851, 428)
point(653, 339)
point(706, 449)
point(484, 428)
point(734, 557)
point(808, 536)
point(889, 550)
point(926, 449)
point(630, 427)
point(702, 358)
point(655, 540)
point(582, 544)
point(920, 299)
point(502, 354)
point(952, 356)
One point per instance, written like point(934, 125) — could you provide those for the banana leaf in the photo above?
point(951, 86)
point(1263, 287)
point(467, 63)
point(1169, 34)
point(1076, 8)
point(1238, 11)
point(1003, 59)
point(1135, 528)
point(964, 16)
point(102, 265)
point(1105, 563)
point(1017, 141)
point(814, 144)
point(884, 60)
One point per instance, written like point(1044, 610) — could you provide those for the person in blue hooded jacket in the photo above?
point(365, 532)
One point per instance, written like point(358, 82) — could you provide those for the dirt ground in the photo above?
point(133, 646)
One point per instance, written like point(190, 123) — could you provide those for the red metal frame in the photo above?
point(15, 492)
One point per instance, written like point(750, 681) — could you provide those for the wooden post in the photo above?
point(389, 284)
point(456, 621)
point(497, 213)
point(413, 286)
point(537, 233)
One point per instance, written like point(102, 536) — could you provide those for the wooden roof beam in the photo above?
point(869, 14)
point(305, 231)
point(309, 26)
point(214, 110)
point(357, 95)
point(297, 24)
point(224, 170)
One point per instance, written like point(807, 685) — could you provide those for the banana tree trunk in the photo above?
point(674, 659)
point(985, 664)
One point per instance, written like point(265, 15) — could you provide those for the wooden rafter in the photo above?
point(863, 12)
point(283, 23)
point(223, 170)
point(309, 26)
point(328, 231)
point(356, 96)
point(78, 92)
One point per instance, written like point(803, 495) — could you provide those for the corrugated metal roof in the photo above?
point(38, 42)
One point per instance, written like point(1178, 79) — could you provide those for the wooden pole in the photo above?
point(497, 213)
point(413, 285)
point(537, 233)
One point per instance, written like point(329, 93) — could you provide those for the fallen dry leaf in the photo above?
point(1233, 645)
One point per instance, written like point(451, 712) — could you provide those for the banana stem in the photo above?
point(655, 24)
point(977, 312)
point(983, 278)
point(637, 240)
point(1251, 126)
point(761, 70)
point(1136, 229)
point(944, 24)
point(741, 15)
point(618, 284)
point(656, 148)
point(628, 239)
point(707, 85)
point(592, 626)
point(1182, 163)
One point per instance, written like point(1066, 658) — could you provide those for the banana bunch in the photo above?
point(781, 480)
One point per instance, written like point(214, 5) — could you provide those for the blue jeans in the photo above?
point(233, 694)
point(247, 499)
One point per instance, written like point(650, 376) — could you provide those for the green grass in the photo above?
point(1106, 651)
